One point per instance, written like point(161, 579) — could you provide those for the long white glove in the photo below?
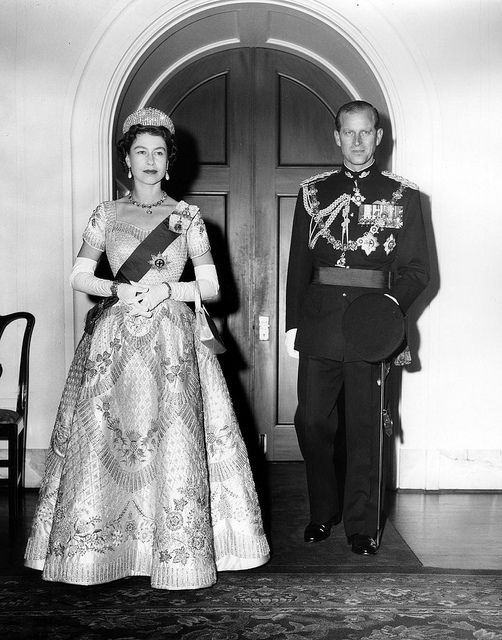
point(205, 276)
point(290, 343)
point(207, 279)
point(156, 294)
point(82, 278)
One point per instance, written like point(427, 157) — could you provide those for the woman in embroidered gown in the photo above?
point(147, 472)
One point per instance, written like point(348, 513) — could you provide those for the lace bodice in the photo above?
point(119, 239)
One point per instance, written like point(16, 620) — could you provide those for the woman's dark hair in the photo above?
point(125, 143)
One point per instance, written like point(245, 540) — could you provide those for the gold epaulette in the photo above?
point(319, 176)
point(403, 181)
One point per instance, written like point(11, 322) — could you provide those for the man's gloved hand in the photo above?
point(290, 343)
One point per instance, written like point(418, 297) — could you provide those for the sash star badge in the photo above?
point(368, 243)
point(159, 261)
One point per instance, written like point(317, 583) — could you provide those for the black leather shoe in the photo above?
point(315, 532)
point(363, 545)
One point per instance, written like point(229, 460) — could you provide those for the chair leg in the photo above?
point(21, 448)
point(13, 477)
point(22, 460)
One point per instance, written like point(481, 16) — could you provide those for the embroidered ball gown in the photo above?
point(147, 472)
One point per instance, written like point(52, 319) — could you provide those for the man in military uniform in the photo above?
point(356, 230)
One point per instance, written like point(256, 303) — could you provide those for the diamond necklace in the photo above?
point(148, 207)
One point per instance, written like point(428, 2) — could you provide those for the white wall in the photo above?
point(451, 411)
point(440, 62)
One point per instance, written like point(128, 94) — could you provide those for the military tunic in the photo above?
point(366, 220)
point(347, 220)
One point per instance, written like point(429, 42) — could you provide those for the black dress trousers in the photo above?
point(321, 381)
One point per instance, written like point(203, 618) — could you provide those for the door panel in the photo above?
point(202, 111)
point(303, 122)
point(251, 125)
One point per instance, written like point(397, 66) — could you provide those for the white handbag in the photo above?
point(208, 333)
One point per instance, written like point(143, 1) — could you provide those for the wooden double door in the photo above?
point(251, 125)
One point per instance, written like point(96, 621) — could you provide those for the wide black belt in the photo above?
point(339, 276)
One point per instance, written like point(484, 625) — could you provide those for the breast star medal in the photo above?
point(159, 261)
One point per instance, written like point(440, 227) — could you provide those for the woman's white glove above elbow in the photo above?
point(156, 294)
point(205, 276)
point(82, 278)
point(207, 279)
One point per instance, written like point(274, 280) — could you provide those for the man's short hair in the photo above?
point(354, 106)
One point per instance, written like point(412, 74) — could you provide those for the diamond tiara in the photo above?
point(148, 116)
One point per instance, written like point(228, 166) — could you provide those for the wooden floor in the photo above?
point(445, 531)
point(451, 530)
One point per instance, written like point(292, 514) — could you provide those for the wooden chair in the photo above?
point(13, 422)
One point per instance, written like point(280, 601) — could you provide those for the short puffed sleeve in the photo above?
point(94, 233)
point(197, 240)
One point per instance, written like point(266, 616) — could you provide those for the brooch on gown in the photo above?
point(179, 221)
point(159, 261)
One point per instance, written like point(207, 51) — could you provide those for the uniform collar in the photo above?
point(360, 175)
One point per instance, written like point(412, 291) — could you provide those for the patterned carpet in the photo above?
point(314, 592)
point(253, 606)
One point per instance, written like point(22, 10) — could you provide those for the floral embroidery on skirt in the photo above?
point(147, 472)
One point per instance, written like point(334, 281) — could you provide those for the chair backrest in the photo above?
point(22, 390)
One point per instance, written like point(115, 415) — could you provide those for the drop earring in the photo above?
point(167, 174)
point(129, 174)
